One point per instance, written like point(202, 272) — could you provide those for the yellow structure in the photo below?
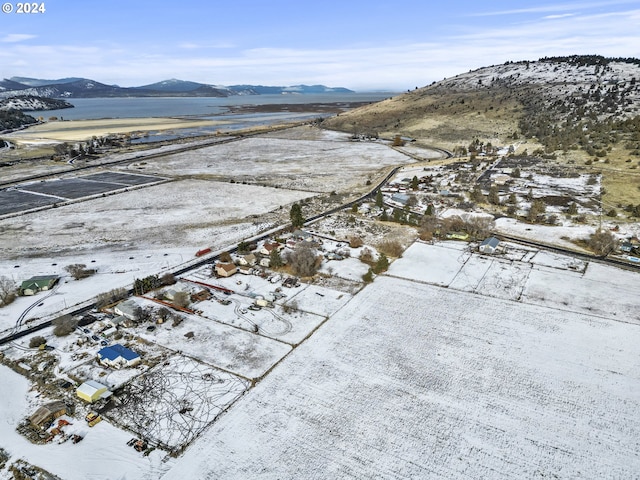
point(91, 391)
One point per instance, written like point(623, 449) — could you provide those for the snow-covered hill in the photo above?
point(28, 103)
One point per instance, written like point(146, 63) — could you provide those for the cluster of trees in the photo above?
point(146, 284)
point(64, 325)
point(304, 261)
point(111, 297)
point(476, 227)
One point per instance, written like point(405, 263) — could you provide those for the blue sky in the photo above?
point(362, 45)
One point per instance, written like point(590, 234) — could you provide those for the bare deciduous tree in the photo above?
point(181, 299)
point(8, 291)
point(303, 261)
point(35, 342)
point(79, 271)
point(602, 242)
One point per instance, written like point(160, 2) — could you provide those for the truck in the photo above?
point(93, 418)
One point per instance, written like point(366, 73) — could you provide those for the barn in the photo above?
point(92, 391)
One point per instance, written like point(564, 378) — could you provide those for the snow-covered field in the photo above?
point(451, 365)
point(411, 380)
point(329, 162)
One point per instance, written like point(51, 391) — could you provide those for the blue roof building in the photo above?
point(118, 356)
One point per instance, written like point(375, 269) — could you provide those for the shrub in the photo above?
point(110, 297)
point(392, 248)
point(355, 242)
point(366, 255)
point(602, 242)
point(35, 342)
point(8, 291)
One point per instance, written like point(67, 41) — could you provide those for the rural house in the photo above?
point(489, 245)
point(226, 269)
point(248, 260)
point(37, 284)
point(128, 309)
point(269, 247)
point(118, 356)
point(92, 391)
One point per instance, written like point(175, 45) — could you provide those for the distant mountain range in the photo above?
point(84, 88)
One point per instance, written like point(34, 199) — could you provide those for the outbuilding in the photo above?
point(489, 245)
point(92, 391)
point(46, 414)
point(226, 269)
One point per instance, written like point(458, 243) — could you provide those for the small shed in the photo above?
point(489, 245)
point(46, 414)
point(118, 356)
point(92, 391)
point(37, 284)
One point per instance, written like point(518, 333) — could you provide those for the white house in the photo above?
point(128, 309)
point(489, 245)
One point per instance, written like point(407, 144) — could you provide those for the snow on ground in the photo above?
point(103, 453)
point(553, 235)
point(319, 300)
point(349, 268)
point(411, 380)
point(438, 264)
point(229, 348)
point(127, 236)
point(314, 165)
point(539, 278)
point(177, 400)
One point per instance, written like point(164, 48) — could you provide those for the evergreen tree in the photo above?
point(414, 183)
point(275, 259)
point(494, 198)
point(382, 265)
point(379, 199)
point(297, 220)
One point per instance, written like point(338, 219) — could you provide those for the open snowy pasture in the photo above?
point(180, 213)
point(318, 300)
point(312, 165)
point(542, 278)
point(438, 264)
point(350, 268)
point(601, 291)
point(175, 401)
point(411, 380)
point(103, 452)
point(229, 348)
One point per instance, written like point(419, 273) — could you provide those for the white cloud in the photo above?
point(390, 65)
point(560, 7)
point(16, 37)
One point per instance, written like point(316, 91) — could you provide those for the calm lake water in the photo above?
point(201, 107)
point(95, 108)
